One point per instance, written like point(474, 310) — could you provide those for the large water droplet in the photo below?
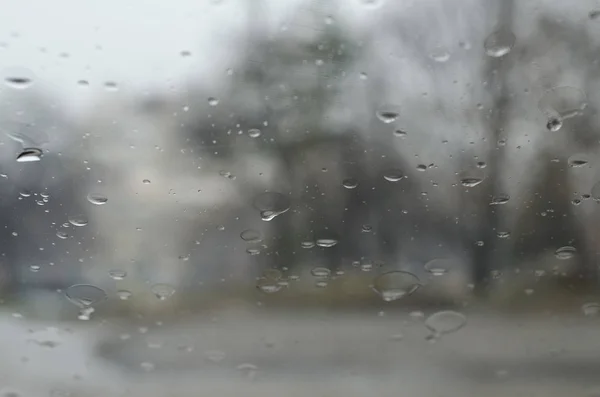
point(350, 183)
point(439, 267)
point(472, 178)
point(393, 175)
point(566, 252)
point(577, 161)
point(30, 155)
point(85, 295)
point(499, 43)
point(395, 285)
point(117, 274)
point(445, 322)
point(271, 205)
point(162, 291)
point(388, 114)
point(320, 272)
point(251, 235)
point(97, 199)
point(470, 181)
point(78, 220)
point(326, 242)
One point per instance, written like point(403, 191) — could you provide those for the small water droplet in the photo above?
point(400, 133)
point(590, 309)
point(350, 183)
point(62, 235)
point(445, 322)
point(393, 175)
point(566, 252)
point(321, 284)
point(500, 199)
point(254, 133)
point(499, 43)
point(251, 235)
point(440, 54)
point(124, 294)
point(388, 114)
point(78, 220)
point(35, 268)
point(439, 267)
point(320, 272)
point(146, 181)
point(253, 251)
point(481, 164)
point(97, 199)
point(268, 286)
point(111, 86)
point(30, 155)
point(163, 291)
point(213, 101)
point(307, 244)
point(503, 234)
point(470, 181)
point(326, 242)
point(117, 274)
point(395, 285)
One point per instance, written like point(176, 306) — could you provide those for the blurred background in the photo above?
point(331, 197)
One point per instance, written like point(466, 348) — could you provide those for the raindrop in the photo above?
point(272, 274)
point(29, 155)
point(388, 114)
point(577, 161)
point(251, 235)
point(97, 199)
point(213, 101)
point(268, 286)
point(321, 284)
point(472, 178)
point(395, 285)
point(500, 199)
point(111, 86)
point(326, 242)
point(124, 294)
point(117, 274)
point(566, 252)
point(503, 234)
point(62, 235)
point(400, 133)
point(146, 181)
point(320, 272)
point(254, 133)
point(421, 167)
point(350, 183)
point(445, 322)
point(554, 124)
point(307, 244)
point(499, 43)
point(35, 268)
point(163, 291)
point(85, 295)
point(590, 309)
point(481, 164)
point(253, 251)
point(439, 267)
point(440, 55)
point(78, 220)
point(393, 175)
point(271, 205)
point(470, 181)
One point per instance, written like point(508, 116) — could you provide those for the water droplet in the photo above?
point(554, 124)
point(500, 199)
point(62, 235)
point(366, 228)
point(400, 133)
point(29, 155)
point(253, 251)
point(577, 161)
point(566, 252)
point(251, 235)
point(117, 274)
point(213, 101)
point(481, 164)
point(268, 286)
point(321, 284)
point(124, 294)
point(162, 291)
point(320, 272)
point(85, 295)
point(307, 244)
point(395, 285)
point(326, 242)
point(440, 54)
point(271, 205)
point(97, 199)
point(78, 220)
point(561, 103)
point(393, 175)
point(388, 114)
point(590, 309)
point(499, 43)
point(503, 234)
point(146, 181)
point(445, 322)
point(111, 86)
point(147, 366)
point(470, 181)
point(272, 274)
point(421, 167)
point(439, 267)
point(350, 183)
point(594, 14)
point(35, 268)
point(254, 133)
